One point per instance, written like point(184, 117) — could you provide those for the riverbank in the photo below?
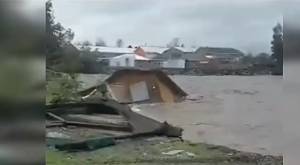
point(161, 150)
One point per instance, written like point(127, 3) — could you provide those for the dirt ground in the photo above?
point(160, 150)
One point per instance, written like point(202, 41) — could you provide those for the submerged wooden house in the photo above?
point(132, 86)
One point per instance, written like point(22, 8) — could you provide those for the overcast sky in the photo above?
point(242, 24)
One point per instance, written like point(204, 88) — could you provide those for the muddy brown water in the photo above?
point(241, 112)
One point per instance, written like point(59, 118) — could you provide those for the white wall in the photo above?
point(126, 60)
point(179, 63)
point(139, 91)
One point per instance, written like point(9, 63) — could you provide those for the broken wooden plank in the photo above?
point(102, 126)
point(50, 125)
point(98, 119)
point(55, 116)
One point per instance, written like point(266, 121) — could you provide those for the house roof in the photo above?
point(90, 80)
point(147, 49)
point(218, 51)
point(116, 50)
point(154, 49)
point(137, 57)
point(161, 75)
point(181, 49)
point(160, 50)
point(186, 50)
point(118, 121)
point(113, 49)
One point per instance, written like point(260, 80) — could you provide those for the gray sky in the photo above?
point(242, 24)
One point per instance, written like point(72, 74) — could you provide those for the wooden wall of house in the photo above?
point(166, 94)
point(120, 92)
point(121, 88)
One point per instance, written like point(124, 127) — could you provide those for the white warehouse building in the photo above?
point(125, 60)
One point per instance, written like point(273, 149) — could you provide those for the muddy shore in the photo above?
point(161, 150)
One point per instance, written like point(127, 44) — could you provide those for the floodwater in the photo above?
point(241, 112)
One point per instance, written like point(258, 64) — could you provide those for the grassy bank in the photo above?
point(156, 150)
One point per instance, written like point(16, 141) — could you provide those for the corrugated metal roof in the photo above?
point(112, 49)
point(218, 51)
point(147, 49)
point(154, 49)
point(186, 50)
point(137, 57)
point(103, 49)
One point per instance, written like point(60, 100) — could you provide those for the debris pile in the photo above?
point(97, 124)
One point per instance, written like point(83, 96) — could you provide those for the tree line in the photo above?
point(61, 54)
point(100, 42)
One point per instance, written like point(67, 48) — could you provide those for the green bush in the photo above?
point(63, 89)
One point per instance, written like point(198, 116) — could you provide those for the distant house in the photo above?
point(152, 52)
point(212, 59)
point(186, 50)
point(167, 58)
point(174, 57)
point(172, 53)
point(219, 55)
point(107, 52)
point(126, 60)
point(140, 51)
point(151, 58)
point(154, 49)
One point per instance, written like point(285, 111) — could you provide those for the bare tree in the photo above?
point(119, 43)
point(175, 42)
point(277, 48)
point(100, 42)
point(86, 43)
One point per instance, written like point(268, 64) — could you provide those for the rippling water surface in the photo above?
point(242, 112)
